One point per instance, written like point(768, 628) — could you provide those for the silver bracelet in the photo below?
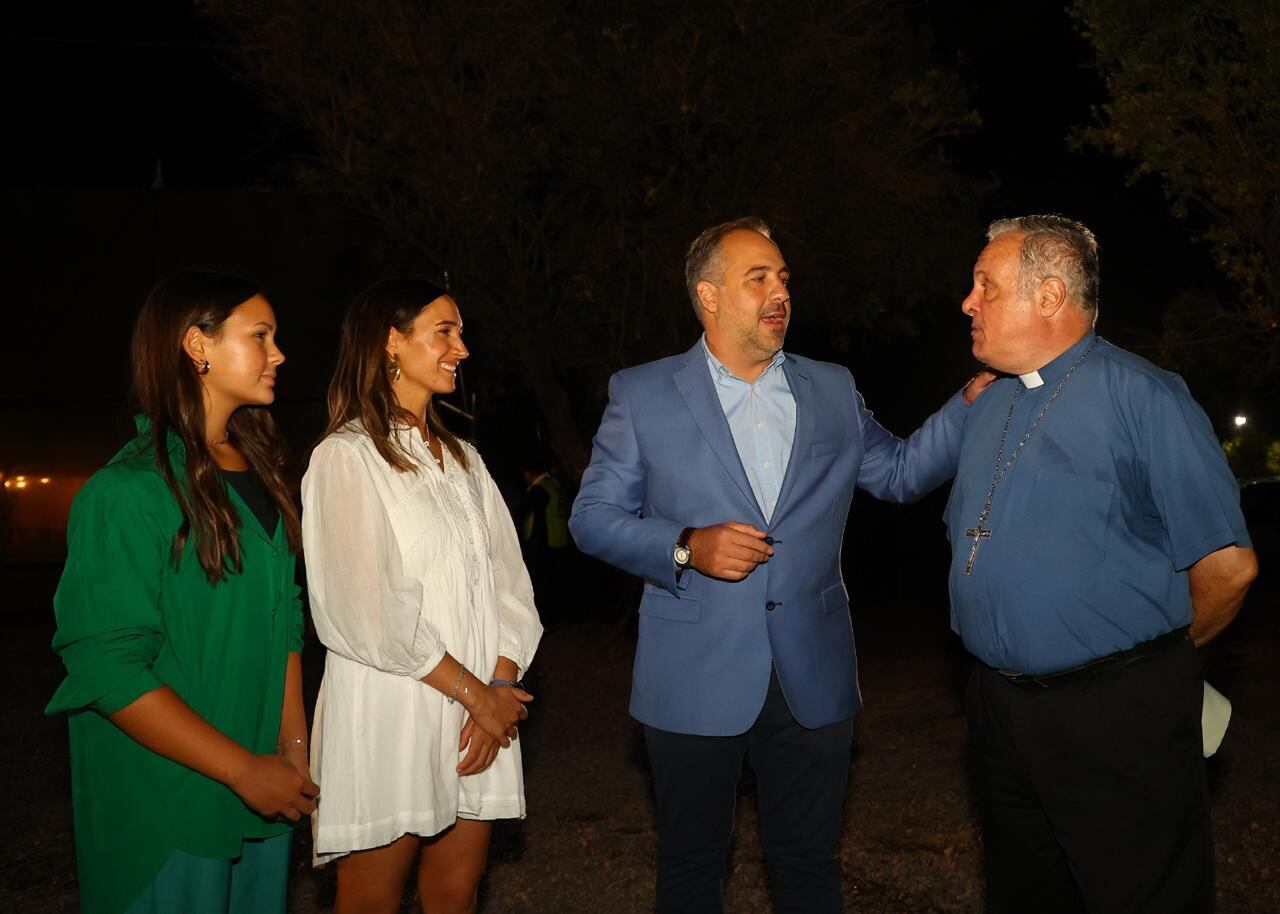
point(462, 674)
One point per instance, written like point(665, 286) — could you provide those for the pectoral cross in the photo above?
point(979, 533)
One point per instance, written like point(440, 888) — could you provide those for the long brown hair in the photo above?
point(361, 385)
point(168, 391)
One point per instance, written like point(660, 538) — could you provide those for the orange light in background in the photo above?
point(20, 478)
point(44, 480)
point(8, 483)
point(22, 483)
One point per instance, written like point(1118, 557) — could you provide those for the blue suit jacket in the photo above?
point(664, 459)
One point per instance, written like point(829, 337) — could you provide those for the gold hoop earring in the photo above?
point(393, 368)
point(204, 368)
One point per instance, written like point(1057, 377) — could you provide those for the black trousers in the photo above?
point(1093, 792)
point(801, 777)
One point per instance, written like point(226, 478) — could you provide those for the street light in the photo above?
point(1241, 421)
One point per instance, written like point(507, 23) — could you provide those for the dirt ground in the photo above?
point(910, 846)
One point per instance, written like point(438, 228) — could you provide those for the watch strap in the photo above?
point(682, 542)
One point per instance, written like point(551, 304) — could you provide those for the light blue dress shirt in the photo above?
point(762, 419)
point(1120, 489)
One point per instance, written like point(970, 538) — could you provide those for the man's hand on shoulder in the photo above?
point(728, 551)
point(977, 384)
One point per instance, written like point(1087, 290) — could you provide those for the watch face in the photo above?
point(682, 555)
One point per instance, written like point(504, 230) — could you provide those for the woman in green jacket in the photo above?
point(180, 624)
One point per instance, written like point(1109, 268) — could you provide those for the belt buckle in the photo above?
point(1013, 677)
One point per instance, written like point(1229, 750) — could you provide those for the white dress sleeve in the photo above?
point(364, 607)
point(520, 630)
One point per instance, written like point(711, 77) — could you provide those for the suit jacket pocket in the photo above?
point(823, 448)
point(674, 609)
point(835, 598)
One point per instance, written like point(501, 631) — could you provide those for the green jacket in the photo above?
point(128, 622)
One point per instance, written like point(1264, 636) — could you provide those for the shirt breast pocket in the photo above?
point(1066, 518)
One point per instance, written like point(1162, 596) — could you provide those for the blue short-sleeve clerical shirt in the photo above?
point(1121, 488)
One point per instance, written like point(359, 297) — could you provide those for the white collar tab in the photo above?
point(1031, 380)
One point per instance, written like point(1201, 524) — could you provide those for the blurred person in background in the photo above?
point(543, 513)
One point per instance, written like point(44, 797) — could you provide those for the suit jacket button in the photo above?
point(770, 606)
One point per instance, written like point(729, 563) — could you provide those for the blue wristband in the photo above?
point(514, 683)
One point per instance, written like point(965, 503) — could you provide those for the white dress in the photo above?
point(402, 567)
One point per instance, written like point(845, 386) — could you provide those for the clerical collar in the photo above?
point(1052, 372)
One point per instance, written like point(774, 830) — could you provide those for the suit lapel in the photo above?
point(802, 390)
point(693, 380)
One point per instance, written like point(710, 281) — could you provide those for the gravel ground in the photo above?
point(910, 846)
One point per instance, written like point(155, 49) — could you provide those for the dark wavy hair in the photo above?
point(361, 387)
point(168, 392)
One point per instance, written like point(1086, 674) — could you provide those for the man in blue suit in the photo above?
point(723, 478)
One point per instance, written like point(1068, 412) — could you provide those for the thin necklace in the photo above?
point(439, 460)
point(981, 532)
point(426, 438)
point(223, 440)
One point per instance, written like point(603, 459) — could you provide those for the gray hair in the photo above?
point(1054, 246)
point(703, 261)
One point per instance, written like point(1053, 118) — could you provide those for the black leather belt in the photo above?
point(1110, 663)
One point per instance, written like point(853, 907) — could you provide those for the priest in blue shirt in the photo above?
point(1097, 540)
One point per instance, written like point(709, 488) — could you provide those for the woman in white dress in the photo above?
point(420, 595)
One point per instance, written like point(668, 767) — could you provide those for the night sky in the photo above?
point(98, 96)
point(100, 91)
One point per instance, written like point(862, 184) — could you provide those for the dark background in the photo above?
point(133, 152)
point(130, 151)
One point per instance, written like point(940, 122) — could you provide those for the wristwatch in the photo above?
point(682, 555)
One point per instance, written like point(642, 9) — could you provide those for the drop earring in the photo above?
point(393, 368)
point(204, 368)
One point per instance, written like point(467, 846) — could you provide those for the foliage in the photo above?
point(1193, 100)
point(556, 157)
point(1252, 455)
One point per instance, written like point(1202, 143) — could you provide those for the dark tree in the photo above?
point(1193, 100)
point(557, 157)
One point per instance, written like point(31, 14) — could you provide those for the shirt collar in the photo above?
point(174, 444)
point(1053, 371)
point(719, 369)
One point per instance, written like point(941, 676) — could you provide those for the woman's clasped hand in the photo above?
point(272, 786)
